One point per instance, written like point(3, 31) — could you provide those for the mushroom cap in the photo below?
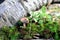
point(24, 20)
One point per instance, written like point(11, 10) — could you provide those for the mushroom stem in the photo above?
point(24, 25)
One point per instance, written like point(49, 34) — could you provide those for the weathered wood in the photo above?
point(30, 5)
point(10, 12)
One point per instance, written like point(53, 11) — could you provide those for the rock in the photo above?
point(54, 10)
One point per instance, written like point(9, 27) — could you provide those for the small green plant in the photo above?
point(9, 33)
point(39, 23)
point(41, 17)
point(45, 21)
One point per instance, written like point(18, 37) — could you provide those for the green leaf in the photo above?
point(43, 9)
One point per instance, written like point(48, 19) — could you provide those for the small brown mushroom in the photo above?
point(25, 21)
